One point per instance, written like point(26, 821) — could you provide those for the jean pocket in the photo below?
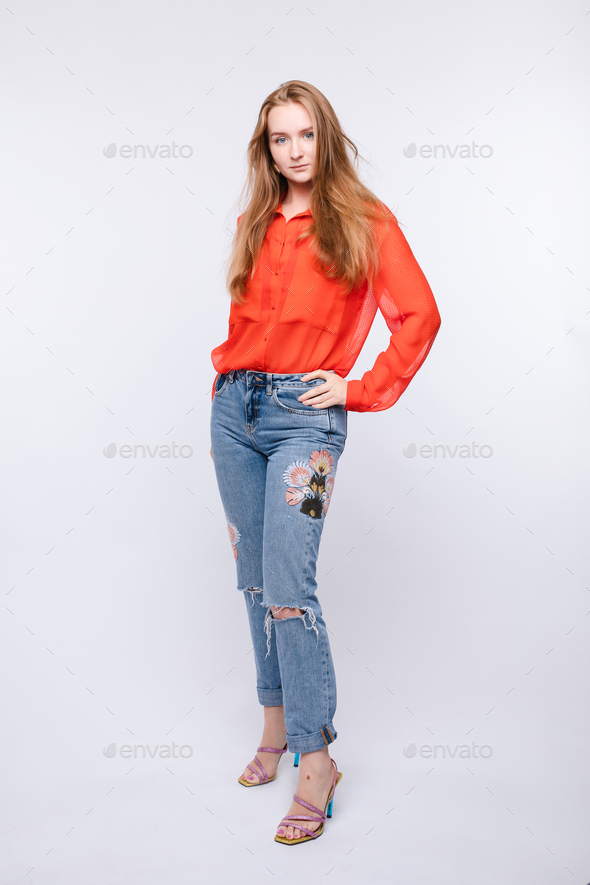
point(286, 399)
point(220, 384)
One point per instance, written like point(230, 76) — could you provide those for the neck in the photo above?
point(298, 194)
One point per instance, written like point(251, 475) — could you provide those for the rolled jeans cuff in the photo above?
point(309, 743)
point(270, 697)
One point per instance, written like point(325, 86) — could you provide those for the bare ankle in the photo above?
point(274, 721)
point(317, 762)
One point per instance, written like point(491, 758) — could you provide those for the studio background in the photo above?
point(456, 587)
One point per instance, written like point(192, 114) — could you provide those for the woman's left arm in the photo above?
point(406, 301)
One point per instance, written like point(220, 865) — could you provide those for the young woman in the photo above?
point(315, 254)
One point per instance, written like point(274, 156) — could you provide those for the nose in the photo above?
point(297, 151)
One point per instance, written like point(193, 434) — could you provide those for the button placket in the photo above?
point(277, 254)
point(280, 272)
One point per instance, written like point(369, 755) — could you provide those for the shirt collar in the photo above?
point(307, 212)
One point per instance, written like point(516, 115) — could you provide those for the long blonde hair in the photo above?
point(343, 208)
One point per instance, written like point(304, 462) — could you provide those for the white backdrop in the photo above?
point(456, 588)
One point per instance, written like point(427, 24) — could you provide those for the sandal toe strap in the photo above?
point(257, 773)
point(288, 821)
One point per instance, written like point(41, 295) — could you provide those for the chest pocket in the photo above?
point(312, 299)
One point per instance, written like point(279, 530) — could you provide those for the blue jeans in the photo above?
point(275, 461)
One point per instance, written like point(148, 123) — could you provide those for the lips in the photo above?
point(303, 166)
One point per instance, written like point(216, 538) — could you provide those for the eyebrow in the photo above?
point(307, 129)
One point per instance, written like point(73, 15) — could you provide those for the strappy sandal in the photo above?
point(264, 779)
point(322, 815)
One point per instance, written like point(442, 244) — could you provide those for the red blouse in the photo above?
point(295, 320)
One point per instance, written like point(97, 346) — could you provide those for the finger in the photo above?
point(321, 401)
point(313, 396)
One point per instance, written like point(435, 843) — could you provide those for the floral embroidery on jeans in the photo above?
point(311, 483)
point(234, 537)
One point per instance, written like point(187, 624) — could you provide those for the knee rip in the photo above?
point(285, 611)
point(288, 613)
point(252, 591)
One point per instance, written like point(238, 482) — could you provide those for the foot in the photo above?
point(270, 761)
point(316, 778)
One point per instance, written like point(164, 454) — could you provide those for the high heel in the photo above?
point(265, 779)
point(322, 815)
point(296, 760)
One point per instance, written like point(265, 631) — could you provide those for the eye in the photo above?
point(309, 133)
point(279, 139)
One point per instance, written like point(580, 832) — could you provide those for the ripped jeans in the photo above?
point(275, 461)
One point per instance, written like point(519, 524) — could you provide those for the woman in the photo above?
point(315, 254)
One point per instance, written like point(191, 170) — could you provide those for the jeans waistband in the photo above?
point(270, 379)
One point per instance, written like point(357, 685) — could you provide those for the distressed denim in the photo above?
point(275, 461)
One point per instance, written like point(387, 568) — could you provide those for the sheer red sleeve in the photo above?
point(407, 304)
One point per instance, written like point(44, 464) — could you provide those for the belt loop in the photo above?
point(269, 383)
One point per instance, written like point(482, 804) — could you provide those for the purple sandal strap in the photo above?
point(253, 770)
point(270, 750)
point(333, 790)
point(262, 769)
point(307, 805)
point(312, 833)
point(287, 821)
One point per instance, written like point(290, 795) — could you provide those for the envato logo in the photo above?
point(166, 751)
point(474, 150)
point(426, 451)
point(129, 451)
point(131, 150)
point(427, 751)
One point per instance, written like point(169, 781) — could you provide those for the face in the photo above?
point(292, 141)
